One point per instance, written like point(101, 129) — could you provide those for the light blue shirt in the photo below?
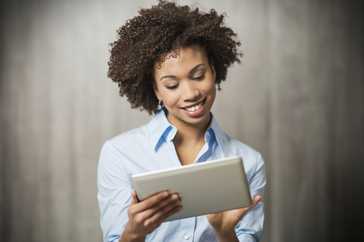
point(151, 147)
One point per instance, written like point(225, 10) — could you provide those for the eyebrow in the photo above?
point(191, 72)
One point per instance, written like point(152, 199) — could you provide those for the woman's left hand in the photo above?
point(224, 222)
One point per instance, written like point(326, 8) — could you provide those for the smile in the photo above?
point(195, 107)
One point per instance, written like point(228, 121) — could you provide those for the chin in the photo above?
point(194, 121)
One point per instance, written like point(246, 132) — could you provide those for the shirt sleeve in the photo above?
point(250, 227)
point(114, 192)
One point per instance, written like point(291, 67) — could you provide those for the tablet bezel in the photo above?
point(193, 181)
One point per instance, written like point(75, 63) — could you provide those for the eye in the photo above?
point(198, 77)
point(171, 87)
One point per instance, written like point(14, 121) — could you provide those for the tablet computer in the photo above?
point(206, 187)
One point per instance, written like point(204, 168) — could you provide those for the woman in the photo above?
point(168, 61)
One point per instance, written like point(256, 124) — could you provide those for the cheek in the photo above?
point(170, 99)
point(209, 84)
point(212, 95)
point(210, 88)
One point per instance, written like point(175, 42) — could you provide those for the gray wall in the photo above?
point(297, 97)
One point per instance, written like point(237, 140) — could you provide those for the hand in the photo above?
point(147, 215)
point(224, 222)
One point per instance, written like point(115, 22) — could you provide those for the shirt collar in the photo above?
point(162, 131)
point(219, 135)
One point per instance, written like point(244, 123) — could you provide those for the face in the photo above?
point(186, 84)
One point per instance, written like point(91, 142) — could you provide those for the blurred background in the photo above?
point(297, 97)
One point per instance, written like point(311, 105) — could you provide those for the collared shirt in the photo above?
point(151, 147)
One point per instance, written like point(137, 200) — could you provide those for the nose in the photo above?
point(191, 92)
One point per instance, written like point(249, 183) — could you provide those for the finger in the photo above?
point(244, 210)
point(256, 200)
point(241, 211)
point(174, 210)
point(141, 217)
point(150, 202)
point(160, 216)
point(153, 226)
point(172, 200)
point(134, 197)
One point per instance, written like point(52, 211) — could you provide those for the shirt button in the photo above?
point(187, 237)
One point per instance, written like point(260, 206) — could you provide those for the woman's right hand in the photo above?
point(147, 215)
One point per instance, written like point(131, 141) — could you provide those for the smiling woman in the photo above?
point(189, 92)
point(169, 60)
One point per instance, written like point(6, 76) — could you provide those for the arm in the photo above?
point(250, 227)
point(227, 238)
point(113, 194)
point(224, 223)
point(145, 216)
point(121, 212)
point(243, 224)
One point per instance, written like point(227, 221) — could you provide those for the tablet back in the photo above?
point(207, 187)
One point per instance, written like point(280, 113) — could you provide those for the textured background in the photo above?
point(297, 97)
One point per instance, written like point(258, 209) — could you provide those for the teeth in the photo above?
point(193, 108)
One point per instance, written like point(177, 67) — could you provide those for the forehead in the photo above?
point(180, 61)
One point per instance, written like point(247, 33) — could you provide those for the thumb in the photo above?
point(256, 200)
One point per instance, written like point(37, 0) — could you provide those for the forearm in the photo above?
point(227, 237)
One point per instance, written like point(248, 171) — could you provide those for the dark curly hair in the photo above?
point(145, 39)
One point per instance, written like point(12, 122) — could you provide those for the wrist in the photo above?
point(129, 236)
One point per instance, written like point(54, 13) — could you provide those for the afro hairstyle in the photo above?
point(146, 38)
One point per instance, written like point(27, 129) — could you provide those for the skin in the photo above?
point(182, 80)
point(145, 216)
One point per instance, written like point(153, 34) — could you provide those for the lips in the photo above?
point(196, 110)
point(193, 106)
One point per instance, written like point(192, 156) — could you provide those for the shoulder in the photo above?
point(252, 158)
point(126, 147)
point(233, 146)
point(243, 149)
point(253, 164)
point(128, 140)
point(121, 150)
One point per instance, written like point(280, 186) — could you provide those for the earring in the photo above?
point(160, 105)
point(218, 86)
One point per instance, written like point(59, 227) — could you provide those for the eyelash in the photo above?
point(198, 78)
point(175, 86)
point(171, 87)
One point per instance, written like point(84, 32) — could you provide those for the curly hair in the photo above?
point(145, 39)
